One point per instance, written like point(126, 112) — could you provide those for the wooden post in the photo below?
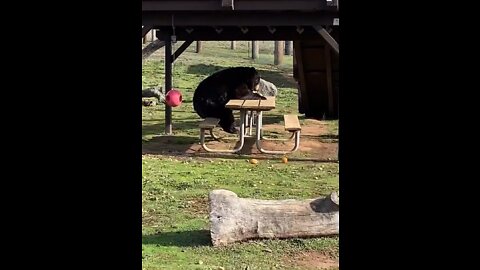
point(288, 47)
point(328, 62)
point(168, 84)
point(278, 54)
point(233, 45)
point(199, 46)
point(153, 35)
point(255, 50)
point(144, 40)
point(303, 104)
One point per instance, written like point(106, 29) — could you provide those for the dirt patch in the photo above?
point(311, 260)
point(316, 143)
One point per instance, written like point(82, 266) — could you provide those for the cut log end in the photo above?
point(234, 219)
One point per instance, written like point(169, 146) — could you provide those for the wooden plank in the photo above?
point(181, 49)
point(291, 122)
point(234, 104)
point(209, 122)
point(251, 104)
point(267, 104)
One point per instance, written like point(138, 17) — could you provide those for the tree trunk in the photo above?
point(236, 219)
point(278, 54)
point(254, 49)
point(199, 47)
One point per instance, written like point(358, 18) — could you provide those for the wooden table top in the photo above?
point(254, 105)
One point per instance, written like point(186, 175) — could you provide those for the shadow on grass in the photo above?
point(159, 128)
point(168, 144)
point(276, 77)
point(202, 69)
point(179, 239)
point(271, 119)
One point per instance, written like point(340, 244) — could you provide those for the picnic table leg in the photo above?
point(241, 133)
point(242, 130)
point(296, 134)
point(250, 123)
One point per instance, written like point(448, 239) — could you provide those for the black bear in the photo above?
point(216, 90)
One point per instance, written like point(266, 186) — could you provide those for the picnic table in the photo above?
point(251, 114)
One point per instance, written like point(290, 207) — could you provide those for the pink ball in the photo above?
point(173, 98)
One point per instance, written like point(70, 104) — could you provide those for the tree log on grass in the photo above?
point(234, 219)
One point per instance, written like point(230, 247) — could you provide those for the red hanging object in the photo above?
point(173, 98)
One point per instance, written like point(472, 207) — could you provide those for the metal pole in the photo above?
point(168, 84)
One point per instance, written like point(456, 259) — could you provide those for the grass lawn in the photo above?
point(175, 187)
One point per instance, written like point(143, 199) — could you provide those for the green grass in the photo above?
point(175, 188)
point(175, 209)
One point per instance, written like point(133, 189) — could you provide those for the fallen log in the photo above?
point(155, 92)
point(234, 219)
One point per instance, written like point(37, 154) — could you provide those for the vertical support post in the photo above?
point(328, 62)
point(233, 45)
point(199, 46)
point(279, 52)
point(288, 47)
point(303, 102)
point(168, 84)
point(254, 49)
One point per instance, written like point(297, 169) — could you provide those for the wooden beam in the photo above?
point(228, 4)
point(229, 18)
point(146, 29)
point(327, 37)
point(230, 33)
point(244, 5)
point(181, 49)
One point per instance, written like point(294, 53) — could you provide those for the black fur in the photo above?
point(216, 90)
